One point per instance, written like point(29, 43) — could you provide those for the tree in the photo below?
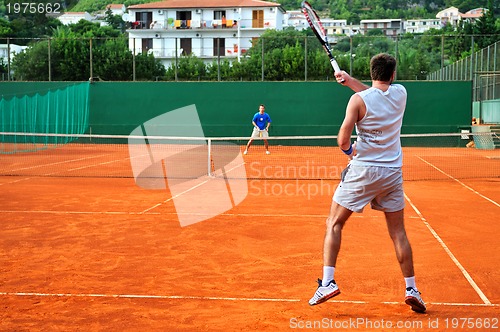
point(115, 21)
point(3, 69)
point(486, 28)
point(189, 68)
point(70, 57)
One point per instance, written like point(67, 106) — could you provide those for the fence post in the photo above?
point(133, 62)
point(350, 55)
point(305, 58)
point(262, 60)
point(50, 59)
point(176, 60)
point(91, 69)
point(8, 59)
point(442, 57)
point(472, 62)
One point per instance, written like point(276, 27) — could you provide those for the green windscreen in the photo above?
point(63, 110)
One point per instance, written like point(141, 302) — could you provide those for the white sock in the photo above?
point(410, 282)
point(328, 272)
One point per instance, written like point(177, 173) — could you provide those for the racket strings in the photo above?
point(313, 19)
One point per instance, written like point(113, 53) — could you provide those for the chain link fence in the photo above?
point(482, 68)
point(283, 58)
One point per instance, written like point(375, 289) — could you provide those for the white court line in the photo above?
point(175, 213)
point(218, 298)
point(463, 184)
point(165, 297)
point(59, 163)
point(173, 197)
point(185, 191)
point(450, 254)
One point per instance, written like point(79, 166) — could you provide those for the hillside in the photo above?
point(352, 10)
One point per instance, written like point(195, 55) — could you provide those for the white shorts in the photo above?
point(259, 133)
point(380, 186)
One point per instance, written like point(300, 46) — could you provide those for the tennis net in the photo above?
point(152, 158)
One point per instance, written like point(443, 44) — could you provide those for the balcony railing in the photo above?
point(170, 24)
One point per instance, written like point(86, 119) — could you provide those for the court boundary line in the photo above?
point(175, 213)
point(460, 182)
point(224, 298)
point(450, 254)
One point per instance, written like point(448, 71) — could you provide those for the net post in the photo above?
point(209, 158)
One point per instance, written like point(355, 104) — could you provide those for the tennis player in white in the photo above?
point(374, 172)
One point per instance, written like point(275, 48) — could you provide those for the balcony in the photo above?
point(171, 24)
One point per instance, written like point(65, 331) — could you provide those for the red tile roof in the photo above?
point(115, 6)
point(204, 4)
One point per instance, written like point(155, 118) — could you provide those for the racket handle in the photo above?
point(335, 65)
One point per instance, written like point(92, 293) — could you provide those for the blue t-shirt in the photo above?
point(261, 120)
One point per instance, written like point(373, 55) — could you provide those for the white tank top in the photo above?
point(378, 142)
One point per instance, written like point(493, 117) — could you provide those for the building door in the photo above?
point(185, 19)
point(143, 19)
point(257, 19)
point(219, 46)
point(186, 46)
point(147, 44)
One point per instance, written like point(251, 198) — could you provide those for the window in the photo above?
point(186, 46)
point(147, 44)
point(257, 19)
point(219, 47)
point(183, 19)
point(143, 20)
point(218, 14)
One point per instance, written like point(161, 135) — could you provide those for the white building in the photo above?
point(452, 15)
point(117, 9)
point(335, 27)
point(207, 29)
point(74, 17)
point(13, 49)
point(296, 20)
point(473, 14)
point(421, 25)
point(390, 27)
point(449, 15)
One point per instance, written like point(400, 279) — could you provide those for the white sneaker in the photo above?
point(413, 299)
point(324, 293)
point(267, 152)
point(245, 152)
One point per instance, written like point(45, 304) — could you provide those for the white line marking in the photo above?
point(463, 184)
point(450, 254)
point(171, 198)
point(174, 213)
point(167, 297)
point(218, 298)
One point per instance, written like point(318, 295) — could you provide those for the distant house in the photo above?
point(449, 15)
point(74, 17)
point(452, 15)
point(473, 14)
point(296, 19)
point(334, 27)
point(390, 27)
point(421, 25)
point(8, 52)
point(117, 9)
point(205, 28)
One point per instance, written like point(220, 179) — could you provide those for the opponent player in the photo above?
point(261, 122)
point(374, 172)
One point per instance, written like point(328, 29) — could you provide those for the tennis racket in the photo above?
point(319, 31)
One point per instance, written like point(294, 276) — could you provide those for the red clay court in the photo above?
point(83, 248)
